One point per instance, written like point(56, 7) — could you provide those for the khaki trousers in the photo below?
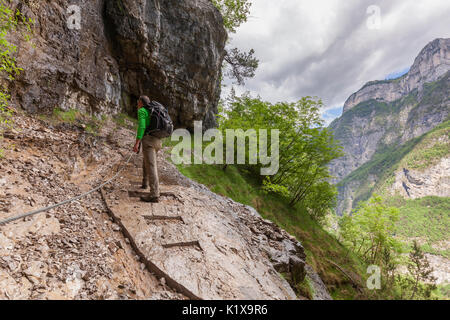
point(150, 147)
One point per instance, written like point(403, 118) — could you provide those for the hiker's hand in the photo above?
point(136, 147)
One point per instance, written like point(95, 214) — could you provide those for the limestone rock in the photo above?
point(432, 63)
point(433, 181)
point(384, 115)
point(170, 50)
point(173, 50)
point(212, 246)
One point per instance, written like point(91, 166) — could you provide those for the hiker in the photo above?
point(150, 147)
point(154, 125)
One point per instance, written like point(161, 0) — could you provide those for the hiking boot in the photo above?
point(150, 199)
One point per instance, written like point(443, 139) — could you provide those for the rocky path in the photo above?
point(199, 243)
point(72, 252)
point(193, 244)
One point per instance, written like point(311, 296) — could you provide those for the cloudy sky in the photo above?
point(331, 48)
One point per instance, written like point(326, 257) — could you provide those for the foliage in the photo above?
point(306, 288)
point(427, 218)
point(241, 65)
point(124, 120)
point(305, 147)
point(89, 123)
point(420, 270)
point(269, 187)
point(5, 112)
point(234, 12)
point(10, 21)
point(69, 116)
point(369, 231)
point(330, 223)
point(420, 283)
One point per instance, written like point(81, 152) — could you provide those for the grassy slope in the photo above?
point(319, 245)
point(418, 153)
point(426, 218)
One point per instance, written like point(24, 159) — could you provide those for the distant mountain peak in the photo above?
point(432, 63)
point(384, 120)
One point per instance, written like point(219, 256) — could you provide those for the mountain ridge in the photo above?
point(395, 136)
point(376, 124)
point(432, 63)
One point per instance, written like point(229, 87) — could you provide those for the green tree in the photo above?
point(419, 268)
point(369, 231)
point(390, 263)
point(234, 12)
point(305, 148)
point(418, 283)
point(238, 65)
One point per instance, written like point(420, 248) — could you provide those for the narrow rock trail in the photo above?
point(74, 251)
point(197, 243)
point(194, 244)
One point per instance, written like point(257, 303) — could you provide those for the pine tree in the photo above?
point(421, 271)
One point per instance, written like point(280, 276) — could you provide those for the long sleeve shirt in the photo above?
point(143, 122)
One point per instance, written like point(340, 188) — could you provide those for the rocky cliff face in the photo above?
point(374, 118)
point(431, 64)
point(433, 181)
point(169, 50)
point(425, 170)
point(385, 115)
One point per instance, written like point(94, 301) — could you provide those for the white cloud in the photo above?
point(324, 48)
